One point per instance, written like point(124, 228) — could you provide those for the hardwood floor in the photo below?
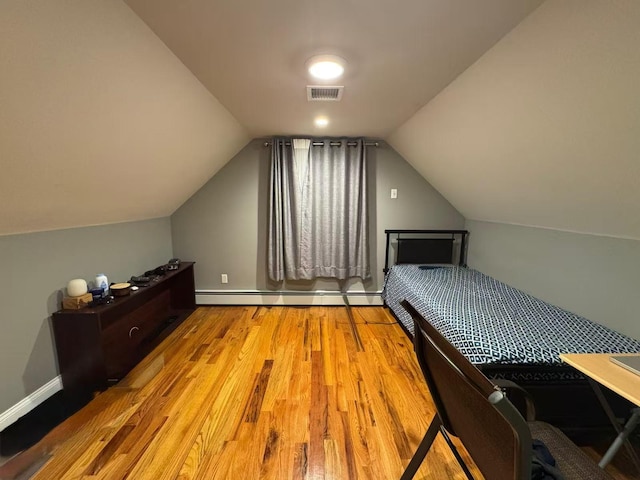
point(256, 393)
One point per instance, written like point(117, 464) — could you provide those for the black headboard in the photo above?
point(426, 247)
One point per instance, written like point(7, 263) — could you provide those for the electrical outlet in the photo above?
point(394, 193)
point(224, 278)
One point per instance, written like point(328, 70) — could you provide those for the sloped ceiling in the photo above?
point(99, 121)
point(103, 120)
point(544, 129)
point(251, 55)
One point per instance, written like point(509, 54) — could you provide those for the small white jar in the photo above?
point(76, 287)
point(103, 283)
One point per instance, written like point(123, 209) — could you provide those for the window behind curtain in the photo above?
point(318, 224)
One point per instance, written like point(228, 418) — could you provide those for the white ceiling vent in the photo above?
point(324, 93)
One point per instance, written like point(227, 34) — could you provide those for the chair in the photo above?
point(469, 406)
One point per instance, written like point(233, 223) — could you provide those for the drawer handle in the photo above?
point(133, 329)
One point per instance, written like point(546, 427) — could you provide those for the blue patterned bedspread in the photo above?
point(493, 323)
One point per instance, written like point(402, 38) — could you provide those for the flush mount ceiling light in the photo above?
point(326, 67)
point(321, 122)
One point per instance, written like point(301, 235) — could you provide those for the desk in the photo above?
point(599, 369)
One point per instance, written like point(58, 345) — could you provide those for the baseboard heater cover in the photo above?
point(262, 297)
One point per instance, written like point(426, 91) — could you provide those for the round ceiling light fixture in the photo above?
point(321, 122)
point(326, 67)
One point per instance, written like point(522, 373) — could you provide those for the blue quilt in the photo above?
point(493, 323)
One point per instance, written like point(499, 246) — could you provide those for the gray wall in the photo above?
point(35, 270)
point(223, 227)
point(593, 276)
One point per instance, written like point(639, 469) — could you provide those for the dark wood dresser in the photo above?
point(98, 346)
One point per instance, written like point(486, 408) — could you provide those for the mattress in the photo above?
point(492, 323)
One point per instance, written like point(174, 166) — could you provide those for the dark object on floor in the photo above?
point(30, 429)
point(479, 413)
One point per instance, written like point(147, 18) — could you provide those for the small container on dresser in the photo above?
point(102, 283)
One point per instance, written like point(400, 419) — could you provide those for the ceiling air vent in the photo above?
point(324, 93)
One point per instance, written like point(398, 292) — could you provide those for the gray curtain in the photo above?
point(318, 224)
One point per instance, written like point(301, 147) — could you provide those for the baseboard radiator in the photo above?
point(267, 297)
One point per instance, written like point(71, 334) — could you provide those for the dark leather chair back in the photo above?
point(472, 408)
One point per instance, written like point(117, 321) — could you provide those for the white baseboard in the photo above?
point(27, 404)
point(259, 297)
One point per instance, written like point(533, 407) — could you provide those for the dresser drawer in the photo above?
point(126, 341)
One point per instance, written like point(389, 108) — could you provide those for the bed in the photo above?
point(502, 330)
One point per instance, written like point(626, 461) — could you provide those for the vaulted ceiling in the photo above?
point(517, 111)
point(251, 55)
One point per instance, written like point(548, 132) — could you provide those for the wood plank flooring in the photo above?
point(257, 393)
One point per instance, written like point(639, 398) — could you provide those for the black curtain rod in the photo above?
point(333, 144)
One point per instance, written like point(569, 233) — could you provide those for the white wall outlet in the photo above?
point(224, 278)
point(394, 193)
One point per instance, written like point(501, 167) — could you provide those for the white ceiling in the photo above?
point(251, 54)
